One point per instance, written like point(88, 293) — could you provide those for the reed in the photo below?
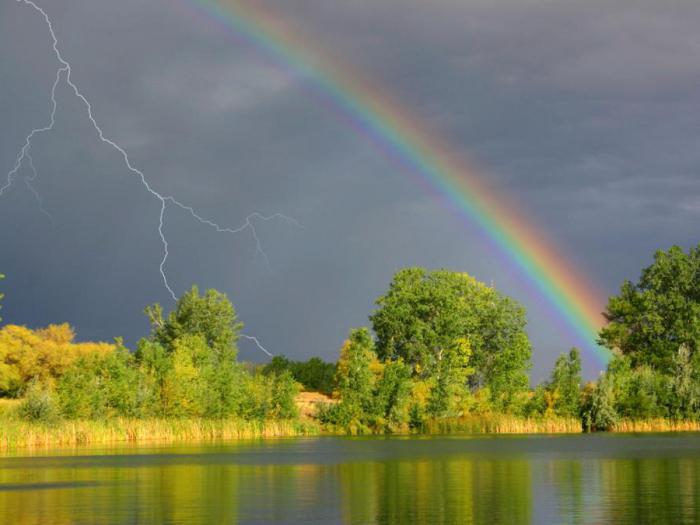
point(15, 433)
point(656, 425)
point(502, 424)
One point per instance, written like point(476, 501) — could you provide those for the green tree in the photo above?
point(284, 392)
point(277, 365)
point(450, 380)
point(565, 384)
point(211, 316)
point(355, 377)
point(100, 386)
point(651, 319)
point(391, 396)
point(598, 408)
point(315, 375)
point(425, 313)
point(154, 365)
point(355, 380)
point(685, 383)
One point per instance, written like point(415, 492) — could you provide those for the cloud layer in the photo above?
point(585, 112)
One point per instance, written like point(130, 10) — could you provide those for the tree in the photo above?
point(391, 396)
point(598, 410)
point(449, 380)
point(355, 378)
point(564, 385)
point(651, 319)
point(99, 386)
point(42, 354)
point(315, 375)
point(685, 383)
point(424, 314)
point(211, 316)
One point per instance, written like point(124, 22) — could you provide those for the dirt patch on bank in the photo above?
point(307, 402)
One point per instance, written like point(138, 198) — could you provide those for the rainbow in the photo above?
point(418, 151)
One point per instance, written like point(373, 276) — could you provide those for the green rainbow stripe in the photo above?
point(404, 139)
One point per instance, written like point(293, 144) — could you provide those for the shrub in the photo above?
point(38, 403)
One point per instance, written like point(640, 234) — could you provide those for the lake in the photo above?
point(461, 479)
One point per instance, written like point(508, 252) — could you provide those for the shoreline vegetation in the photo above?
point(19, 434)
point(444, 354)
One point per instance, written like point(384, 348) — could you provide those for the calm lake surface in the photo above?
point(516, 479)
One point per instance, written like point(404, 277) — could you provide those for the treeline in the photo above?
point(186, 368)
point(314, 375)
point(441, 348)
point(444, 346)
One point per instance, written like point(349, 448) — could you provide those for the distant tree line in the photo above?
point(314, 375)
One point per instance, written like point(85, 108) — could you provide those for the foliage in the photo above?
point(685, 385)
point(450, 353)
point(562, 393)
point(211, 316)
point(42, 354)
point(597, 410)
point(390, 409)
point(355, 379)
point(38, 403)
point(100, 386)
point(641, 392)
point(651, 319)
point(449, 381)
point(315, 375)
point(425, 315)
point(186, 369)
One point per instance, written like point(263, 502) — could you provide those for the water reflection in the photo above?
point(491, 480)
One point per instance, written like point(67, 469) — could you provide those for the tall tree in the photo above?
point(565, 384)
point(355, 378)
point(651, 319)
point(211, 316)
point(426, 316)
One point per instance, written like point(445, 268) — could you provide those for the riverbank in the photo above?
point(26, 434)
point(16, 433)
point(502, 424)
point(655, 425)
point(19, 434)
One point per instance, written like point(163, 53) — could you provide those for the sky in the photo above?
point(584, 113)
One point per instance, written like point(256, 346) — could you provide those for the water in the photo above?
point(517, 479)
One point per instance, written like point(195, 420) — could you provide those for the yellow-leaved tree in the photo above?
point(43, 354)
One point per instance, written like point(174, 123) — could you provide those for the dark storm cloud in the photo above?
point(586, 112)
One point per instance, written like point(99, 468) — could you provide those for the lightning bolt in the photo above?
point(64, 72)
point(257, 343)
point(29, 182)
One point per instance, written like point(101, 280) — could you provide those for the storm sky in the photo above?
point(586, 113)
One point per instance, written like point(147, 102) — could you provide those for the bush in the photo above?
point(98, 387)
point(38, 403)
point(598, 410)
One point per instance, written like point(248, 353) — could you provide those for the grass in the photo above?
point(15, 433)
point(656, 425)
point(8, 407)
point(502, 424)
